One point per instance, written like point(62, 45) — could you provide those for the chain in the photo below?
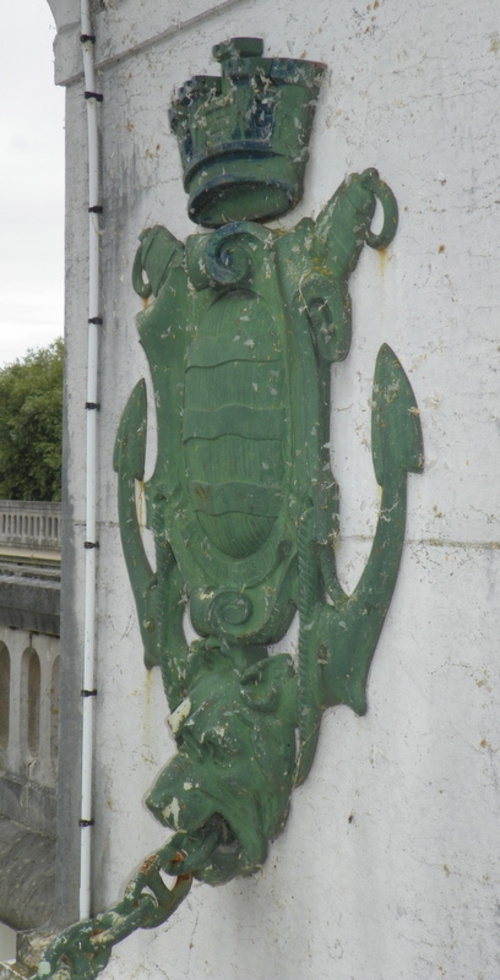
point(83, 950)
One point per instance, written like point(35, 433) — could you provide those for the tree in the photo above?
point(31, 425)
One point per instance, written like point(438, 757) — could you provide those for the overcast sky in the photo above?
point(32, 182)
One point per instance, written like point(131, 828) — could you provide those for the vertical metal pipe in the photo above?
point(94, 323)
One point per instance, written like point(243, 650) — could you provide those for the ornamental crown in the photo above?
point(243, 137)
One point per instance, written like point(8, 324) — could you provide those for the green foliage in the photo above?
point(31, 425)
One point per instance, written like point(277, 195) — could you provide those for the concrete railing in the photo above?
point(33, 525)
point(29, 722)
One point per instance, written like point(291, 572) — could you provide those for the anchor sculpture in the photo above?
point(240, 329)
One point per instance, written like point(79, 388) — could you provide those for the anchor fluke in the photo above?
point(344, 635)
point(130, 443)
point(396, 430)
point(128, 462)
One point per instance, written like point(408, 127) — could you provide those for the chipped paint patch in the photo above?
point(179, 716)
point(171, 813)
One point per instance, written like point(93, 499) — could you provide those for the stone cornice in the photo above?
point(123, 30)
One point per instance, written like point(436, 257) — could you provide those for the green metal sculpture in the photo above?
point(242, 329)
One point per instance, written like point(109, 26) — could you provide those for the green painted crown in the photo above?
point(244, 137)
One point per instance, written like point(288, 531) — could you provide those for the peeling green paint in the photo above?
point(240, 330)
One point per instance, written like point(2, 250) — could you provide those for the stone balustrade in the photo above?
point(30, 525)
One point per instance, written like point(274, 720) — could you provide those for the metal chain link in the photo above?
point(83, 950)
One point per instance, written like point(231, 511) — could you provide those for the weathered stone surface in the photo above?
point(13, 971)
point(30, 947)
point(27, 878)
point(30, 598)
point(28, 803)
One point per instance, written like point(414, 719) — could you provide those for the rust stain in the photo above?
point(495, 42)
point(140, 501)
point(382, 260)
point(147, 864)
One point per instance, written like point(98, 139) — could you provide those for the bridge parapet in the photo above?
point(29, 723)
point(34, 525)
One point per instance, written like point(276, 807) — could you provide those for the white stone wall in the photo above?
point(388, 868)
